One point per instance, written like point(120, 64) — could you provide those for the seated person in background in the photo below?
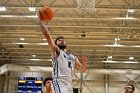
point(47, 85)
point(129, 88)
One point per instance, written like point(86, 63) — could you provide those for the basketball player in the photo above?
point(129, 89)
point(47, 85)
point(63, 62)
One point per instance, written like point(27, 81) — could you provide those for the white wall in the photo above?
point(115, 83)
point(13, 78)
point(92, 82)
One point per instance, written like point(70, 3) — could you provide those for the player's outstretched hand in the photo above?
point(83, 59)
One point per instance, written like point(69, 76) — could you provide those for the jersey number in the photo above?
point(69, 64)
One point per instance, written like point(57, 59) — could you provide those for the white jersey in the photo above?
point(62, 73)
point(62, 66)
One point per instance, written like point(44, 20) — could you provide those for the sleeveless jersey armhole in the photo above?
point(74, 64)
point(57, 51)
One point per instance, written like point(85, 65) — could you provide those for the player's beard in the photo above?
point(62, 46)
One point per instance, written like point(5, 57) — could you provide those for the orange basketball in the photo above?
point(46, 13)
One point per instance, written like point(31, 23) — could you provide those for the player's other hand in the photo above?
point(83, 59)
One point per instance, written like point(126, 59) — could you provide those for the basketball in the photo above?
point(46, 13)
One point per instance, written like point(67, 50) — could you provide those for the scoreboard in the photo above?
point(30, 84)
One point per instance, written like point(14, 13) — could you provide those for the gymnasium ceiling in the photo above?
point(109, 30)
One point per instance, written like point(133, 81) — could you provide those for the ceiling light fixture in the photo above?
point(32, 9)
point(19, 16)
point(22, 39)
point(131, 58)
point(22, 43)
point(115, 45)
point(44, 39)
point(31, 16)
point(123, 18)
point(32, 43)
point(35, 59)
point(2, 8)
point(117, 38)
point(110, 61)
point(131, 10)
point(40, 59)
point(115, 42)
point(42, 43)
point(109, 57)
point(34, 56)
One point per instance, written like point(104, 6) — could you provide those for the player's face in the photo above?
point(48, 84)
point(61, 43)
point(128, 89)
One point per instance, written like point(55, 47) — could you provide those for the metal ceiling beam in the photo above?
point(97, 45)
point(105, 27)
point(12, 67)
point(71, 18)
point(75, 8)
point(42, 60)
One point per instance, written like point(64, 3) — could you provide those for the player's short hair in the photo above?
point(46, 79)
point(133, 88)
point(60, 37)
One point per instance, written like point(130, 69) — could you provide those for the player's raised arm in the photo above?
point(47, 35)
